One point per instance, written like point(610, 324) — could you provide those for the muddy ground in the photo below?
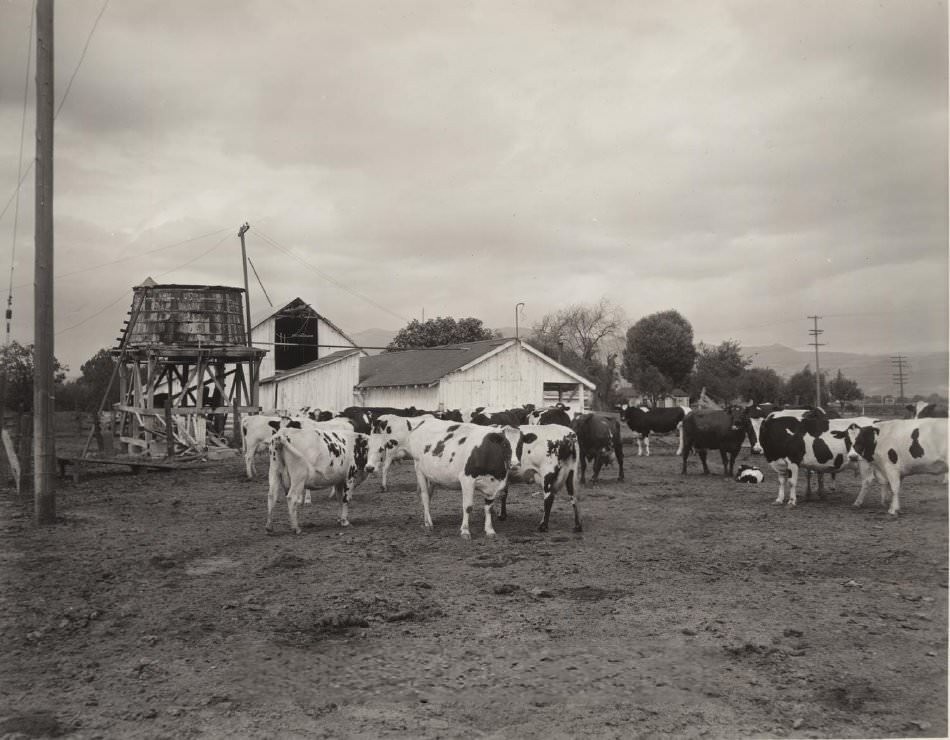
point(689, 607)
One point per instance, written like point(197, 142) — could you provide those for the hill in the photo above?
point(925, 373)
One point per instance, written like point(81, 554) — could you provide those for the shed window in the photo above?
point(566, 393)
point(296, 339)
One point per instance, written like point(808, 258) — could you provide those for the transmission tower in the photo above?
point(900, 372)
point(816, 344)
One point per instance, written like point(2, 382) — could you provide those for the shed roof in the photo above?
point(429, 366)
point(260, 315)
point(329, 359)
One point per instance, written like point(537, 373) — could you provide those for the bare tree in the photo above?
point(582, 328)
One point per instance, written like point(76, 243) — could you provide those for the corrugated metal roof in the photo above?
point(422, 366)
point(322, 362)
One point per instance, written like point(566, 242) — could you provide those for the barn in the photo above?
point(497, 372)
point(311, 361)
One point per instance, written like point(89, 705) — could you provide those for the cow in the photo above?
point(805, 438)
point(757, 414)
point(306, 459)
point(714, 429)
point(389, 441)
point(896, 449)
point(460, 456)
point(643, 420)
point(598, 436)
point(552, 415)
point(927, 410)
point(549, 452)
point(749, 474)
point(508, 417)
point(257, 430)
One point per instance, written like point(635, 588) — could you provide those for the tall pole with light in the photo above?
point(518, 306)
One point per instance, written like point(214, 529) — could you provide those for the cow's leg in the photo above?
point(894, 481)
point(792, 484)
point(503, 503)
point(569, 484)
point(834, 483)
point(686, 450)
point(702, 459)
point(679, 429)
point(583, 464)
point(867, 479)
point(468, 497)
point(725, 461)
point(550, 484)
point(639, 439)
point(618, 453)
point(782, 477)
point(424, 497)
point(821, 485)
point(249, 462)
point(274, 489)
point(597, 465)
point(294, 499)
point(387, 461)
point(342, 491)
point(489, 500)
point(646, 442)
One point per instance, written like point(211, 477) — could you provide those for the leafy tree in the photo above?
point(439, 331)
point(659, 345)
point(16, 360)
point(842, 389)
point(800, 387)
point(720, 370)
point(581, 328)
point(651, 383)
point(760, 385)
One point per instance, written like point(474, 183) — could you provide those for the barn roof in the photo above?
point(429, 366)
point(260, 315)
point(329, 359)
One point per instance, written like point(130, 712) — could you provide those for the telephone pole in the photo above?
point(44, 451)
point(816, 344)
point(900, 372)
point(247, 293)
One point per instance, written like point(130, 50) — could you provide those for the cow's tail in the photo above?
point(282, 442)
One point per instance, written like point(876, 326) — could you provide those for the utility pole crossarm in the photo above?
point(816, 332)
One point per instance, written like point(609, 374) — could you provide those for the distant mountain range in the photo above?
point(924, 372)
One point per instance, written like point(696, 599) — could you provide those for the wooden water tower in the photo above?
point(185, 365)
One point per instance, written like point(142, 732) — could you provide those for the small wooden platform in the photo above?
point(137, 464)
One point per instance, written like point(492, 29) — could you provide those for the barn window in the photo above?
point(565, 393)
point(296, 338)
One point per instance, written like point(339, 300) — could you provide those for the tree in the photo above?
point(582, 328)
point(800, 388)
point(16, 360)
point(719, 369)
point(659, 352)
point(439, 331)
point(761, 385)
point(842, 389)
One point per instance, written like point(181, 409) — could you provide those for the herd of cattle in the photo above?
point(481, 451)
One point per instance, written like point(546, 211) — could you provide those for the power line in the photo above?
point(326, 277)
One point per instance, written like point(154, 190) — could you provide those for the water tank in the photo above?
point(186, 316)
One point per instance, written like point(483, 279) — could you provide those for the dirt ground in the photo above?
point(689, 607)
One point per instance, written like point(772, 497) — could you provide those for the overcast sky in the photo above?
point(747, 163)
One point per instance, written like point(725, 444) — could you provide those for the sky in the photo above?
point(749, 164)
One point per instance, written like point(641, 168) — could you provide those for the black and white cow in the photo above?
point(394, 430)
point(716, 429)
point(598, 436)
point(793, 439)
point(454, 455)
point(548, 452)
point(927, 410)
point(257, 430)
point(643, 420)
point(896, 449)
point(552, 415)
point(306, 459)
point(749, 474)
point(506, 417)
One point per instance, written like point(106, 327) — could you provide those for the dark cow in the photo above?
point(553, 415)
point(643, 420)
point(714, 429)
point(509, 417)
point(598, 436)
point(448, 415)
point(927, 410)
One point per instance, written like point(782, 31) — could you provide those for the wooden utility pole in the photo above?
point(247, 294)
point(900, 372)
point(44, 451)
point(816, 344)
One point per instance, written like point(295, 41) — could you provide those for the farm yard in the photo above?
point(690, 606)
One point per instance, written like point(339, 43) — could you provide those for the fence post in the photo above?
point(169, 430)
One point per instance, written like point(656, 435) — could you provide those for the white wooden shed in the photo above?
point(310, 362)
point(499, 373)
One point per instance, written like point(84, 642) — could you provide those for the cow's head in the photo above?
point(863, 442)
point(388, 432)
point(516, 440)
